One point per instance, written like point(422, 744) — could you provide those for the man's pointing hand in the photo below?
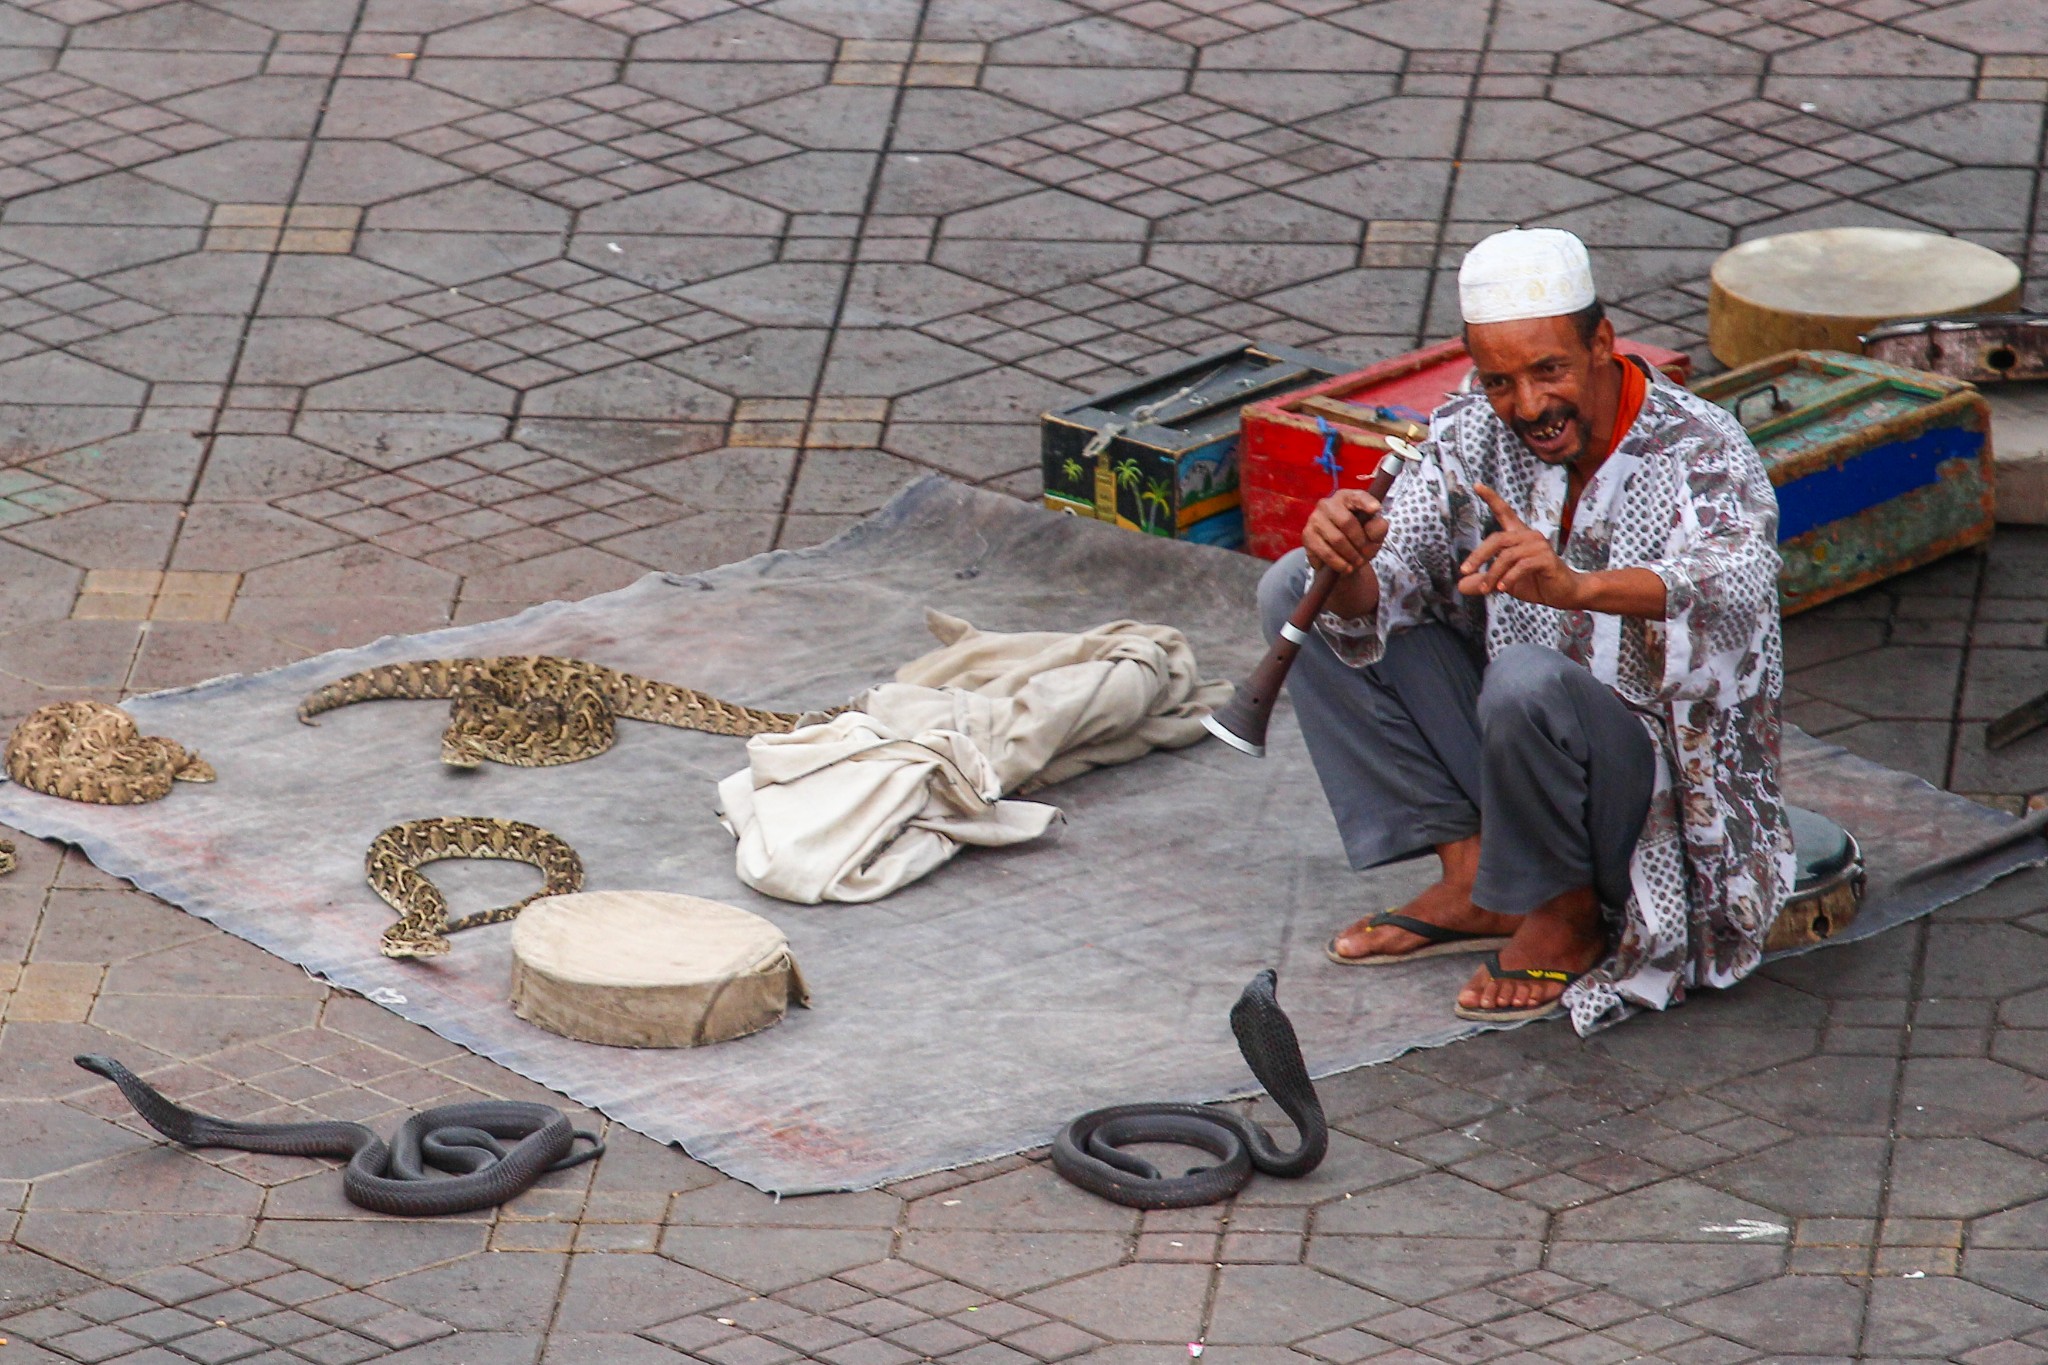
point(1517, 561)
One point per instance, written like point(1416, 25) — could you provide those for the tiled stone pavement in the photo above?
point(1908, 673)
point(322, 319)
point(1840, 1159)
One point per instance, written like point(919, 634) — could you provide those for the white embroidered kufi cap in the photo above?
point(1525, 273)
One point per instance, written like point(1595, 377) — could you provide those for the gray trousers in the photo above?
point(1433, 744)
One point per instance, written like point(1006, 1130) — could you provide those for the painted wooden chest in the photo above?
point(1160, 455)
point(1879, 469)
point(1299, 447)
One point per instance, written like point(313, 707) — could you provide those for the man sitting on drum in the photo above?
point(1561, 672)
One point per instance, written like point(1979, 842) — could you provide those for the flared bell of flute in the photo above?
point(1241, 722)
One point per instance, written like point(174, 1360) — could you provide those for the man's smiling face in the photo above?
point(1538, 373)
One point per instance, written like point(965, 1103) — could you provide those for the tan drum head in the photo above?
point(649, 969)
point(1820, 290)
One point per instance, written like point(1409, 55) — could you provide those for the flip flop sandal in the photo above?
point(1438, 942)
point(1530, 1014)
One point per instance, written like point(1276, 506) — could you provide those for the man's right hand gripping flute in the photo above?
point(1241, 722)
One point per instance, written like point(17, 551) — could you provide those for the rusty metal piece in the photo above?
point(2026, 827)
point(2017, 723)
point(1382, 421)
point(1779, 406)
point(1981, 348)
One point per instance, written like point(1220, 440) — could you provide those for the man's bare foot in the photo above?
point(1564, 934)
point(1447, 903)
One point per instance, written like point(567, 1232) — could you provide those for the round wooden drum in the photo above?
point(649, 969)
point(1821, 290)
point(1830, 886)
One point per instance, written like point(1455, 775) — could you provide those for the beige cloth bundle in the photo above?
point(852, 809)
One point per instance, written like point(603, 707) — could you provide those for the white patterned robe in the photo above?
point(1686, 497)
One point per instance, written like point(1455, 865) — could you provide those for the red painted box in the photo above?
point(1281, 454)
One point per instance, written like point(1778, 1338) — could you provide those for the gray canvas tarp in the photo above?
point(963, 1017)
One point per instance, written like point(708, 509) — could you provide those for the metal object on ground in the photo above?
point(1241, 722)
point(1984, 348)
point(1160, 455)
point(650, 969)
point(1821, 290)
point(1879, 469)
point(1830, 886)
point(2017, 723)
point(2026, 827)
point(1299, 446)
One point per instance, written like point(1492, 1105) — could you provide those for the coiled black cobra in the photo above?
point(1089, 1152)
point(460, 1140)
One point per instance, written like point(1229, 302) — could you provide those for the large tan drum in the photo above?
point(1821, 290)
point(649, 969)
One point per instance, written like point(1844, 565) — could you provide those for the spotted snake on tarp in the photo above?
point(90, 751)
point(536, 710)
point(396, 855)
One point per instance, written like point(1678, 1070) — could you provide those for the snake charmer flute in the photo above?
point(1241, 722)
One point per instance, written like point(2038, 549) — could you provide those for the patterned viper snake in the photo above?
point(396, 855)
point(90, 751)
point(462, 1140)
point(535, 710)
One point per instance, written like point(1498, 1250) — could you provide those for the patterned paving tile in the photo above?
point(1774, 25)
point(1168, 155)
point(28, 496)
point(43, 307)
point(1087, 190)
point(629, 17)
point(483, 507)
point(1100, 332)
point(598, 144)
point(150, 595)
point(827, 424)
point(57, 129)
point(541, 323)
point(1208, 21)
point(1749, 161)
point(300, 229)
point(868, 61)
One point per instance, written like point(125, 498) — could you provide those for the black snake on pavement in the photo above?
point(1089, 1152)
point(460, 1140)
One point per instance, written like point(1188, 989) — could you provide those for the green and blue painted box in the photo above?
point(1879, 469)
point(1160, 455)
